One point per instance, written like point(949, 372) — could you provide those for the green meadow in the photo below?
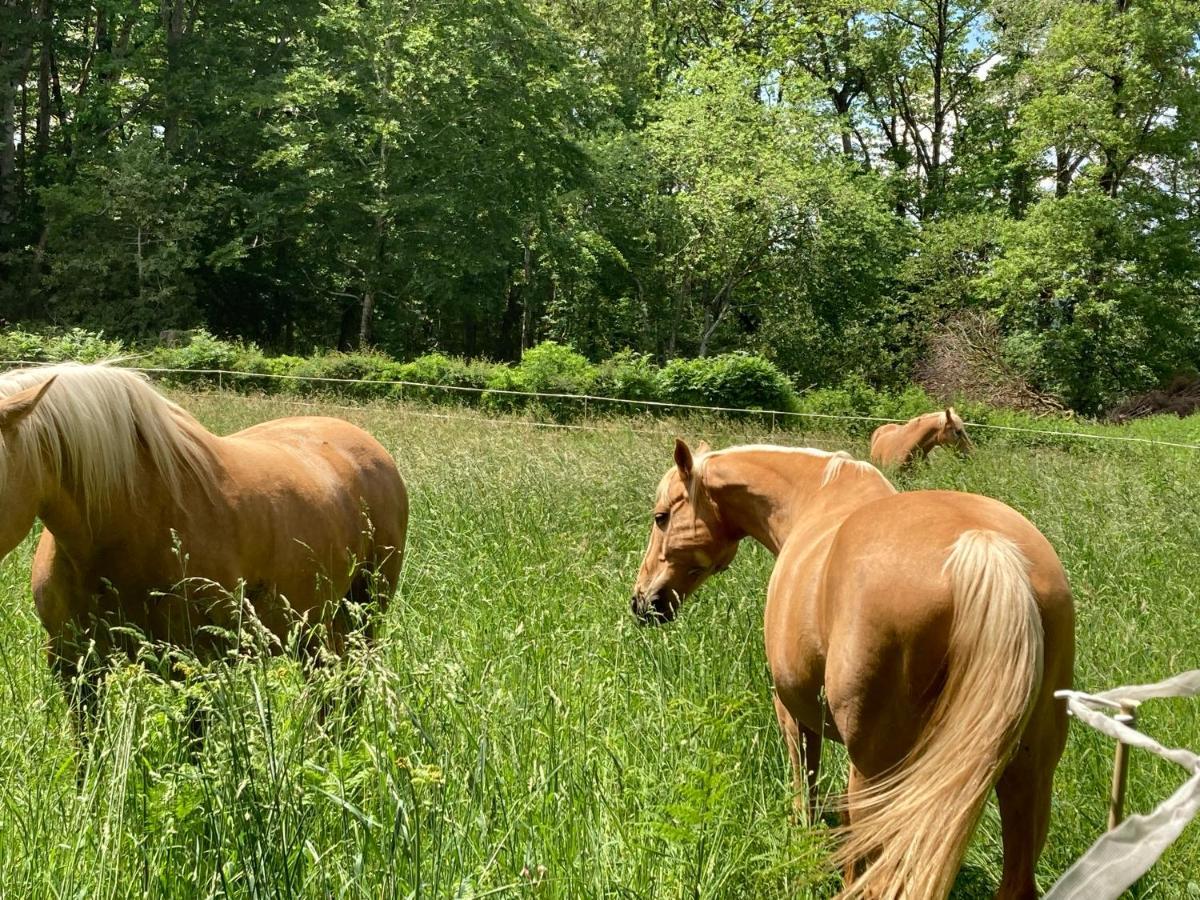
point(517, 734)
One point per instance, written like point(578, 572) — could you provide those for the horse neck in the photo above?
point(926, 434)
point(771, 494)
point(80, 521)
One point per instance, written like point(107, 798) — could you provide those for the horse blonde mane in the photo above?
point(93, 424)
point(835, 460)
point(938, 417)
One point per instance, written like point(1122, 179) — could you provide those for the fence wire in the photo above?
point(774, 414)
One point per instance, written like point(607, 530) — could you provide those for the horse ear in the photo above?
point(683, 458)
point(949, 415)
point(703, 447)
point(16, 407)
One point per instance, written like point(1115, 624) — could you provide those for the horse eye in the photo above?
point(660, 519)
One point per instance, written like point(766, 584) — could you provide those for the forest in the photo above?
point(835, 186)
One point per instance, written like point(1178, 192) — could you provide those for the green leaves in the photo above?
point(817, 182)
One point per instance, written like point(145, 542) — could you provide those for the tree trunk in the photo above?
point(1110, 178)
point(347, 327)
point(15, 56)
point(710, 325)
point(934, 175)
point(366, 321)
point(42, 135)
point(841, 104)
point(174, 25)
point(508, 336)
point(527, 279)
point(1063, 170)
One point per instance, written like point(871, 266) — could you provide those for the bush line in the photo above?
point(733, 380)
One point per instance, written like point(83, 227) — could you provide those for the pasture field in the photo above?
point(518, 734)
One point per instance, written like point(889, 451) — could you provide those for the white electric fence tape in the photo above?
point(1126, 853)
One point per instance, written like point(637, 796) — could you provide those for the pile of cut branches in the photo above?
point(964, 359)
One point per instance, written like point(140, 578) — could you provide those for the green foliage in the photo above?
point(358, 375)
point(736, 380)
point(128, 233)
point(627, 375)
point(549, 368)
point(203, 359)
point(76, 344)
point(439, 369)
point(1092, 299)
point(817, 182)
point(552, 368)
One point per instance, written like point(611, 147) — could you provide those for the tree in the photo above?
point(423, 144)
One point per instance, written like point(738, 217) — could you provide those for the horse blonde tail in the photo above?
point(912, 826)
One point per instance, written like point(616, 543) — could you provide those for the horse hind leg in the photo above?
point(1024, 794)
point(330, 662)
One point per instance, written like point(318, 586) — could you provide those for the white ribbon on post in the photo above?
point(1122, 856)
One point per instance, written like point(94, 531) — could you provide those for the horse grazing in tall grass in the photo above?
point(896, 446)
point(937, 625)
point(154, 525)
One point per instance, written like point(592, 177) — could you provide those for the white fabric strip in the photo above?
point(1122, 856)
point(1126, 853)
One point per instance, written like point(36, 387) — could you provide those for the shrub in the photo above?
point(627, 375)
point(283, 365)
point(203, 351)
point(555, 369)
point(909, 403)
point(188, 362)
point(735, 380)
point(853, 397)
point(503, 378)
point(548, 368)
point(344, 369)
point(57, 346)
point(437, 368)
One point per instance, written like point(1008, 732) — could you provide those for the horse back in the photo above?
point(891, 445)
point(314, 471)
point(889, 554)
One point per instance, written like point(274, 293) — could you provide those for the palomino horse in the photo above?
point(937, 625)
point(153, 522)
point(895, 446)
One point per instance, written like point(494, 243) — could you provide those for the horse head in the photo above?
point(688, 541)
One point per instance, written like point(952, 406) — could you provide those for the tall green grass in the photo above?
point(517, 734)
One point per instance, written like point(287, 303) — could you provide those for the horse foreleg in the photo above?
point(811, 758)
point(804, 751)
point(791, 736)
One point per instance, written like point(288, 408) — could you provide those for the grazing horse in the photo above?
point(927, 631)
point(151, 521)
point(896, 446)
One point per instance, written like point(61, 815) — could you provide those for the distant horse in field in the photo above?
point(937, 624)
point(896, 446)
point(154, 524)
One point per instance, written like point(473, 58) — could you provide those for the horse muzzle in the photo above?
point(652, 609)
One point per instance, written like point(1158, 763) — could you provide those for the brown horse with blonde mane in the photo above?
point(151, 521)
point(927, 631)
point(896, 446)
